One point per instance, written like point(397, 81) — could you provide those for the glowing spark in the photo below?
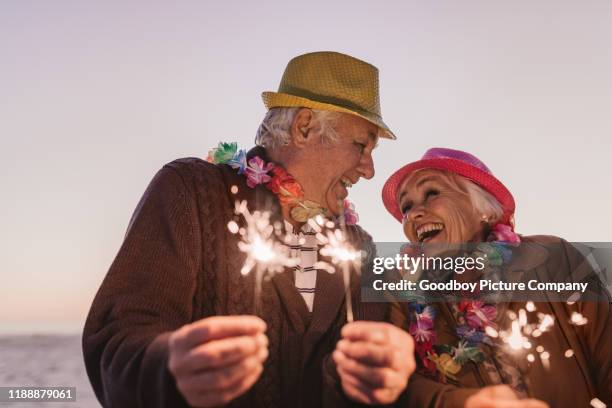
point(516, 339)
point(314, 225)
point(522, 317)
point(521, 334)
point(234, 189)
point(544, 357)
point(546, 321)
point(569, 353)
point(336, 247)
point(232, 226)
point(491, 332)
point(578, 319)
point(259, 241)
point(262, 251)
point(597, 403)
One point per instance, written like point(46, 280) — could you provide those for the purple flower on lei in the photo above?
point(350, 215)
point(504, 232)
point(480, 315)
point(472, 336)
point(238, 161)
point(257, 172)
point(422, 328)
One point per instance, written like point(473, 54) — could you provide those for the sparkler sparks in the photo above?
point(262, 245)
point(578, 319)
point(336, 247)
point(521, 335)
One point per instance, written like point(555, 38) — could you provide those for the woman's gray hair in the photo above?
point(275, 129)
point(482, 201)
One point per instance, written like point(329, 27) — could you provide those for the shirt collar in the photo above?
point(289, 227)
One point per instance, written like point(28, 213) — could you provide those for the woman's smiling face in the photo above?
point(436, 208)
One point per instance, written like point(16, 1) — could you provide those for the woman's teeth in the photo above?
point(428, 230)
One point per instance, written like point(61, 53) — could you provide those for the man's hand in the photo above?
point(374, 361)
point(217, 359)
point(501, 396)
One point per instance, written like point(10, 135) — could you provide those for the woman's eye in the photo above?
point(431, 193)
point(405, 208)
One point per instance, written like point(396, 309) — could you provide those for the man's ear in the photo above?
point(301, 127)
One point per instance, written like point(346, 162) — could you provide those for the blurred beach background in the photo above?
point(96, 96)
point(45, 360)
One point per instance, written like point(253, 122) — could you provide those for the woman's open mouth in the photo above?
point(427, 232)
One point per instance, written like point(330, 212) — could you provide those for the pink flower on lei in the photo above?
point(350, 215)
point(504, 232)
point(422, 328)
point(257, 172)
point(478, 314)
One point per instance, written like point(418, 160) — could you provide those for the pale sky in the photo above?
point(96, 96)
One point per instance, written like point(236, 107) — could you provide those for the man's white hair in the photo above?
point(275, 129)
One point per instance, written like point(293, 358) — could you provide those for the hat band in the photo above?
point(331, 100)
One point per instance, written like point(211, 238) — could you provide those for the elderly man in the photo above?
point(173, 325)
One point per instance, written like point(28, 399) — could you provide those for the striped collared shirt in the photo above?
point(304, 246)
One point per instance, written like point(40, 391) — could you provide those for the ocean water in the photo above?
point(45, 360)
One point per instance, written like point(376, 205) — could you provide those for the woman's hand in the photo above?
point(374, 361)
point(501, 396)
point(217, 359)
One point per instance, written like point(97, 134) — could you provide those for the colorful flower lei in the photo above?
point(276, 179)
point(443, 361)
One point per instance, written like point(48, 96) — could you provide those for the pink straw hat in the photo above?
point(453, 161)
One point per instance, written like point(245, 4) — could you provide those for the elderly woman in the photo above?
point(496, 353)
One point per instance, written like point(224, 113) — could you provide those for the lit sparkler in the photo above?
point(265, 252)
point(336, 247)
point(521, 335)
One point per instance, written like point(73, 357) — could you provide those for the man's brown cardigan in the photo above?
point(178, 264)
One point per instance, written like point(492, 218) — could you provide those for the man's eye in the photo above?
point(405, 208)
point(361, 146)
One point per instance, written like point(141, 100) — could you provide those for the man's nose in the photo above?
point(366, 166)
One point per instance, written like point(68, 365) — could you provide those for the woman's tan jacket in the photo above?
point(569, 381)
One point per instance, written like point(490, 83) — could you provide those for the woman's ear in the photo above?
point(301, 127)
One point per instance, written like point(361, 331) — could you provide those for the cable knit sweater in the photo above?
point(178, 264)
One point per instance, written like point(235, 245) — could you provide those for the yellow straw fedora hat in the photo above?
point(330, 81)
